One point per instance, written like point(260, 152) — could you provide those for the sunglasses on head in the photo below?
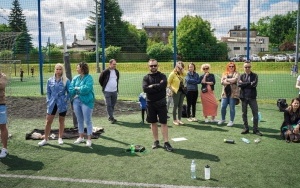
point(152, 65)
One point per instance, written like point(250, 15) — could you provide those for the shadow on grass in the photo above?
point(96, 149)
point(137, 125)
point(191, 154)
point(15, 163)
point(206, 127)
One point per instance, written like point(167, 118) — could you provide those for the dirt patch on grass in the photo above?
point(35, 107)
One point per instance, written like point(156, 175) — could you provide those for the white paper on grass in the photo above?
point(179, 139)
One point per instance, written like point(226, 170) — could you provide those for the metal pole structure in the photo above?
point(297, 36)
point(248, 31)
point(97, 37)
point(103, 34)
point(49, 54)
point(174, 37)
point(41, 60)
point(67, 66)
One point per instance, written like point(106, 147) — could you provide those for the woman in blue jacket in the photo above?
point(57, 101)
point(82, 96)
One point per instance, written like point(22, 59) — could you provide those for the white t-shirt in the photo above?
point(298, 80)
point(111, 85)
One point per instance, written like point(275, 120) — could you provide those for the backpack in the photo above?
point(281, 104)
point(184, 111)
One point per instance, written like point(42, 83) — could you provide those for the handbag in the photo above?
point(204, 90)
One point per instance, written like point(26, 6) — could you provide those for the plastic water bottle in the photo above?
point(193, 169)
point(246, 140)
point(207, 172)
point(132, 149)
point(259, 116)
point(229, 141)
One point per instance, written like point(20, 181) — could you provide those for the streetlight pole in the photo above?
point(297, 36)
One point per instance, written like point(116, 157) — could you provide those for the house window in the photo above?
point(236, 48)
point(245, 48)
point(261, 41)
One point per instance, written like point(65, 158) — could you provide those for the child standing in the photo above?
point(143, 105)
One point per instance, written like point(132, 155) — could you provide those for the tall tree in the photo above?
point(280, 29)
point(17, 22)
point(117, 31)
point(195, 40)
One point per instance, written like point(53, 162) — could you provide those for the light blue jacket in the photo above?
point(57, 94)
point(83, 88)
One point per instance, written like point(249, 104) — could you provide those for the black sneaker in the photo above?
point(245, 131)
point(155, 144)
point(112, 121)
point(257, 133)
point(168, 147)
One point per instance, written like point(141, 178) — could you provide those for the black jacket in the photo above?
point(248, 87)
point(158, 91)
point(104, 77)
point(209, 78)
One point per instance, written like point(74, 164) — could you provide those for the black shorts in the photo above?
point(157, 111)
point(63, 114)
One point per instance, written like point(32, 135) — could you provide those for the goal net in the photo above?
point(7, 60)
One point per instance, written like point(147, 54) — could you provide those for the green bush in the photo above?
point(112, 52)
point(160, 52)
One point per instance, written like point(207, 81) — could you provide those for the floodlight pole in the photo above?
point(97, 38)
point(297, 36)
point(174, 39)
point(41, 59)
point(103, 33)
point(248, 31)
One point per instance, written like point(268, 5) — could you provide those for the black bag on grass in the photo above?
point(281, 104)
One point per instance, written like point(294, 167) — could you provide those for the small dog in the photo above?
point(293, 136)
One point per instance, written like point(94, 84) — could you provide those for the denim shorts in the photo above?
point(3, 114)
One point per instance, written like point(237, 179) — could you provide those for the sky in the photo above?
point(221, 14)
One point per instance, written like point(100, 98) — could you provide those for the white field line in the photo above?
point(96, 181)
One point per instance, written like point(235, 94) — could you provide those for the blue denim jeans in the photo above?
point(224, 104)
point(110, 101)
point(84, 115)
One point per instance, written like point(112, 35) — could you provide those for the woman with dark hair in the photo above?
point(192, 80)
point(291, 118)
point(230, 92)
point(82, 96)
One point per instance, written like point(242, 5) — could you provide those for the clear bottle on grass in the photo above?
point(193, 169)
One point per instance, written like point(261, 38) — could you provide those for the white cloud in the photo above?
point(222, 14)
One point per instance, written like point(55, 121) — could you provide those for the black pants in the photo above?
point(254, 108)
point(191, 98)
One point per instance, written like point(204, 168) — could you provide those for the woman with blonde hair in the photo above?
point(208, 99)
point(57, 101)
point(176, 82)
point(230, 92)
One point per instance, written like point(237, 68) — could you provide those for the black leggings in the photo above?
point(191, 99)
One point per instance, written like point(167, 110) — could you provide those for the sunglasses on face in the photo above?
point(205, 68)
point(152, 65)
point(231, 66)
point(247, 67)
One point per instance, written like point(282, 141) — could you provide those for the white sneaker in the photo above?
point(214, 121)
point(3, 153)
point(88, 143)
point(206, 120)
point(60, 141)
point(43, 142)
point(190, 119)
point(221, 122)
point(230, 124)
point(195, 119)
point(79, 140)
